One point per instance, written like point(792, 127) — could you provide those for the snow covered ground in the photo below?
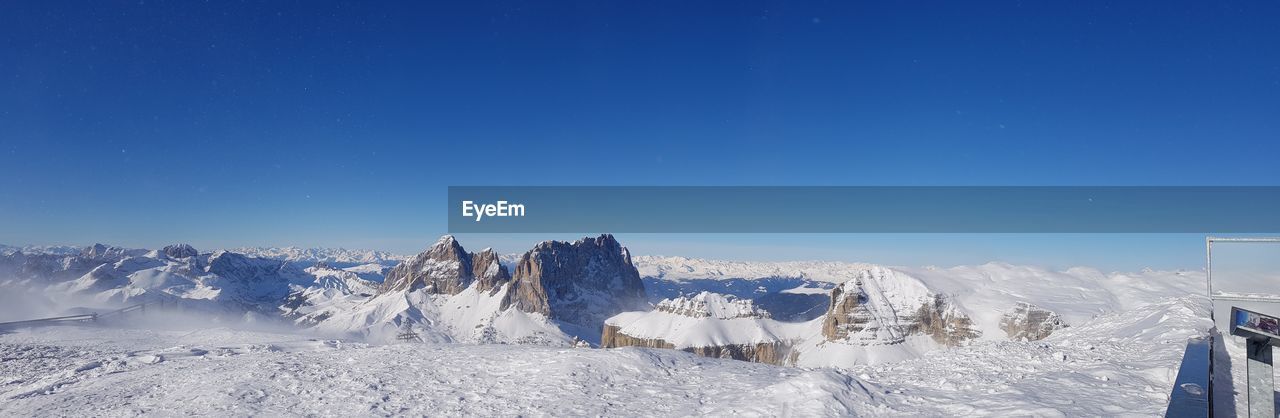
point(1116, 364)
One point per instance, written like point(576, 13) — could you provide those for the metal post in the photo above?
point(1261, 386)
point(1208, 286)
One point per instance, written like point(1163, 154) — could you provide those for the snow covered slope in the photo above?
point(1119, 364)
point(984, 292)
point(559, 292)
point(707, 320)
point(222, 283)
point(886, 314)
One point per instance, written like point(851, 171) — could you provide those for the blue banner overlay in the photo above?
point(751, 209)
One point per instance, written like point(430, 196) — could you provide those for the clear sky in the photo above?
point(340, 124)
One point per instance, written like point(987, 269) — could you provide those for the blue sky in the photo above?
point(341, 124)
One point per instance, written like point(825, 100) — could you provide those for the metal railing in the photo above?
point(91, 317)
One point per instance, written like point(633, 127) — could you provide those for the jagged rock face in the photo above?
point(489, 273)
point(939, 319)
point(840, 321)
point(848, 318)
point(179, 251)
point(1030, 323)
point(852, 318)
point(778, 353)
point(712, 305)
point(582, 283)
point(229, 264)
point(446, 268)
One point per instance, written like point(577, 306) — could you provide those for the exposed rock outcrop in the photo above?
point(179, 251)
point(488, 271)
point(1029, 322)
point(778, 353)
point(711, 305)
point(846, 314)
point(446, 268)
point(862, 312)
point(582, 283)
point(707, 324)
point(941, 320)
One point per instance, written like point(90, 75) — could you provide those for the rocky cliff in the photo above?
point(446, 268)
point(778, 353)
point(581, 283)
point(882, 307)
point(179, 251)
point(940, 320)
point(1029, 322)
point(707, 324)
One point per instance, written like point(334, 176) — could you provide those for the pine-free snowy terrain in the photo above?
point(1115, 364)
point(450, 331)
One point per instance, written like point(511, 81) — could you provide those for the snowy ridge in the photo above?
point(326, 255)
point(713, 305)
point(968, 304)
point(688, 332)
point(471, 316)
point(983, 292)
point(697, 268)
point(986, 292)
point(41, 249)
point(344, 280)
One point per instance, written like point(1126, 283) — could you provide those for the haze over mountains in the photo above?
point(592, 292)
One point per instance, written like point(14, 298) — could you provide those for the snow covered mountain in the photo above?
point(711, 325)
point(682, 268)
point(44, 265)
point(447, 268)
point(561, 293)
point(593, 290)
point(878, 314)
point(41, 249)
point(340, 257)
point(221, 285)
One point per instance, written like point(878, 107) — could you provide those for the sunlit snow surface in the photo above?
point(1121, 363)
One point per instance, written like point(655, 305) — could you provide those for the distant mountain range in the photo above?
point(590, 292)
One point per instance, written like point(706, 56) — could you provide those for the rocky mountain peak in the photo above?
point(447, 268)
point(881, 306)
point(446, 248)
point(95, 250)
point(488, 271)
point(179, 251)
point(103, 252)
point(582, 283)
